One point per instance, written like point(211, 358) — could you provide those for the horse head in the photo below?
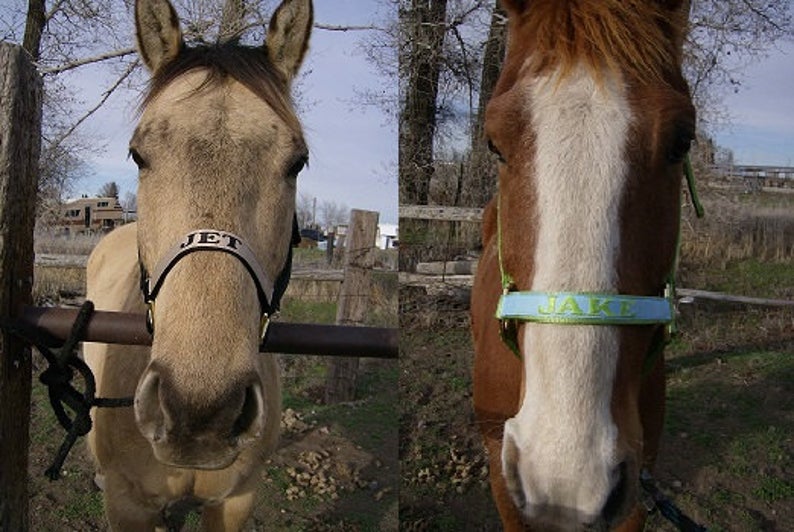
point(591, 120)
point(218, 147)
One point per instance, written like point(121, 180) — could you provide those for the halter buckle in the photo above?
point(264, 324)
point(150, 316)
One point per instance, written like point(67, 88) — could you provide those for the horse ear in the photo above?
point(157, 32)
point(288, 35)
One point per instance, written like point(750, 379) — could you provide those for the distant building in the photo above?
point(91, 214)
point(387, 236)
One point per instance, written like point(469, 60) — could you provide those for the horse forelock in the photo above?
point(637, 38)
point(247, 65)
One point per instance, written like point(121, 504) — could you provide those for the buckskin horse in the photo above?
point(591, 121)
point(218, 147)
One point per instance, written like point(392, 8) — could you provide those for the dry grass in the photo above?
point(737, 229)
point(57, 284)
point(52, 242)
point(744, 245)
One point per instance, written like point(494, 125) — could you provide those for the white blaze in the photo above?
point(564, 437)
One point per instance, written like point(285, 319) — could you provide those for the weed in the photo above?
point(774, 489)
point(85, 505)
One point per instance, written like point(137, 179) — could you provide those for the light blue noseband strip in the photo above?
point(583, 309)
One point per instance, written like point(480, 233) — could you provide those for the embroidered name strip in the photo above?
point(212, 240)
point(583, 309)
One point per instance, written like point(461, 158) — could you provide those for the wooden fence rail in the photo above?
point(282, 337)
point(458, 286)
point(441, 212)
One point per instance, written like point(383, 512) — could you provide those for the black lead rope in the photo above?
point(667, 507)
point(63, 363)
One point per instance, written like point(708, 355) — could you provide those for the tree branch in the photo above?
point(760, 14)
point(132, 66)
point(331, 27)
point(87, 61)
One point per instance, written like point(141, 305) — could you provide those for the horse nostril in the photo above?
point(248, 423)
point(148, 411)
point(617, 497)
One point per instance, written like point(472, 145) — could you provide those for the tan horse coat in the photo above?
point(218, 147)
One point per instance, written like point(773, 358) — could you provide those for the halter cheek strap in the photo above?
point(268, 291)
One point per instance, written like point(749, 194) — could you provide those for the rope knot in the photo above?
point(64, 364)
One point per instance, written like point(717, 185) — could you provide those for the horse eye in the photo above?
point(137, 159)
point(297, 166)
point(492, 148)
point(680, 148)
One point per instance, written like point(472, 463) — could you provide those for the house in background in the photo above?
point(387, 237)
point(91, 214)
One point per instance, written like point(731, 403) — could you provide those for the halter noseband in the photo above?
point(582, 308)
point(268, 291)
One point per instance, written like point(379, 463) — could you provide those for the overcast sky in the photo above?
point(353, 159)
point(762, 129)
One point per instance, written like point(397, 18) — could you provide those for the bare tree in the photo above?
point(305, 208)
point(130, 202)
point(334, 213)
point(109, 190)
point(423, 27)
point(725, 37)
point(478, 183)
point(56, 35)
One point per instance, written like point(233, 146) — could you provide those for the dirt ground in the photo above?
point(336, 467)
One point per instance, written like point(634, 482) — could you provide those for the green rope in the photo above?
point(690, 183)
point(507, 281)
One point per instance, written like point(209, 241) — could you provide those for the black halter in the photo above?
point(269, 292)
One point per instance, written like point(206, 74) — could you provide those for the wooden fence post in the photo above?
point(20, 143)
point(353, 304)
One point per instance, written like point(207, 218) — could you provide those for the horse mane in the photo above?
point(248, 65)
point(634, 37)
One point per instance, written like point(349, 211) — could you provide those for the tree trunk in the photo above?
point(20, 143)
point(353, 302)
point(422, 30)
point(421, 50)
point(481, 177)
point(34, 27)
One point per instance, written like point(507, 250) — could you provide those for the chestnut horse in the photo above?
point(218, 147)
point(591, 120)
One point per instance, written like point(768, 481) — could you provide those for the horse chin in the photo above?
point(559, 519)
point(194, 457)
point(565, 520)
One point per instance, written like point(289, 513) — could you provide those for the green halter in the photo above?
point(581, 308)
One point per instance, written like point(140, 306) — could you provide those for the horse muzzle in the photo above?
point(198, 432)
point(593, 494)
